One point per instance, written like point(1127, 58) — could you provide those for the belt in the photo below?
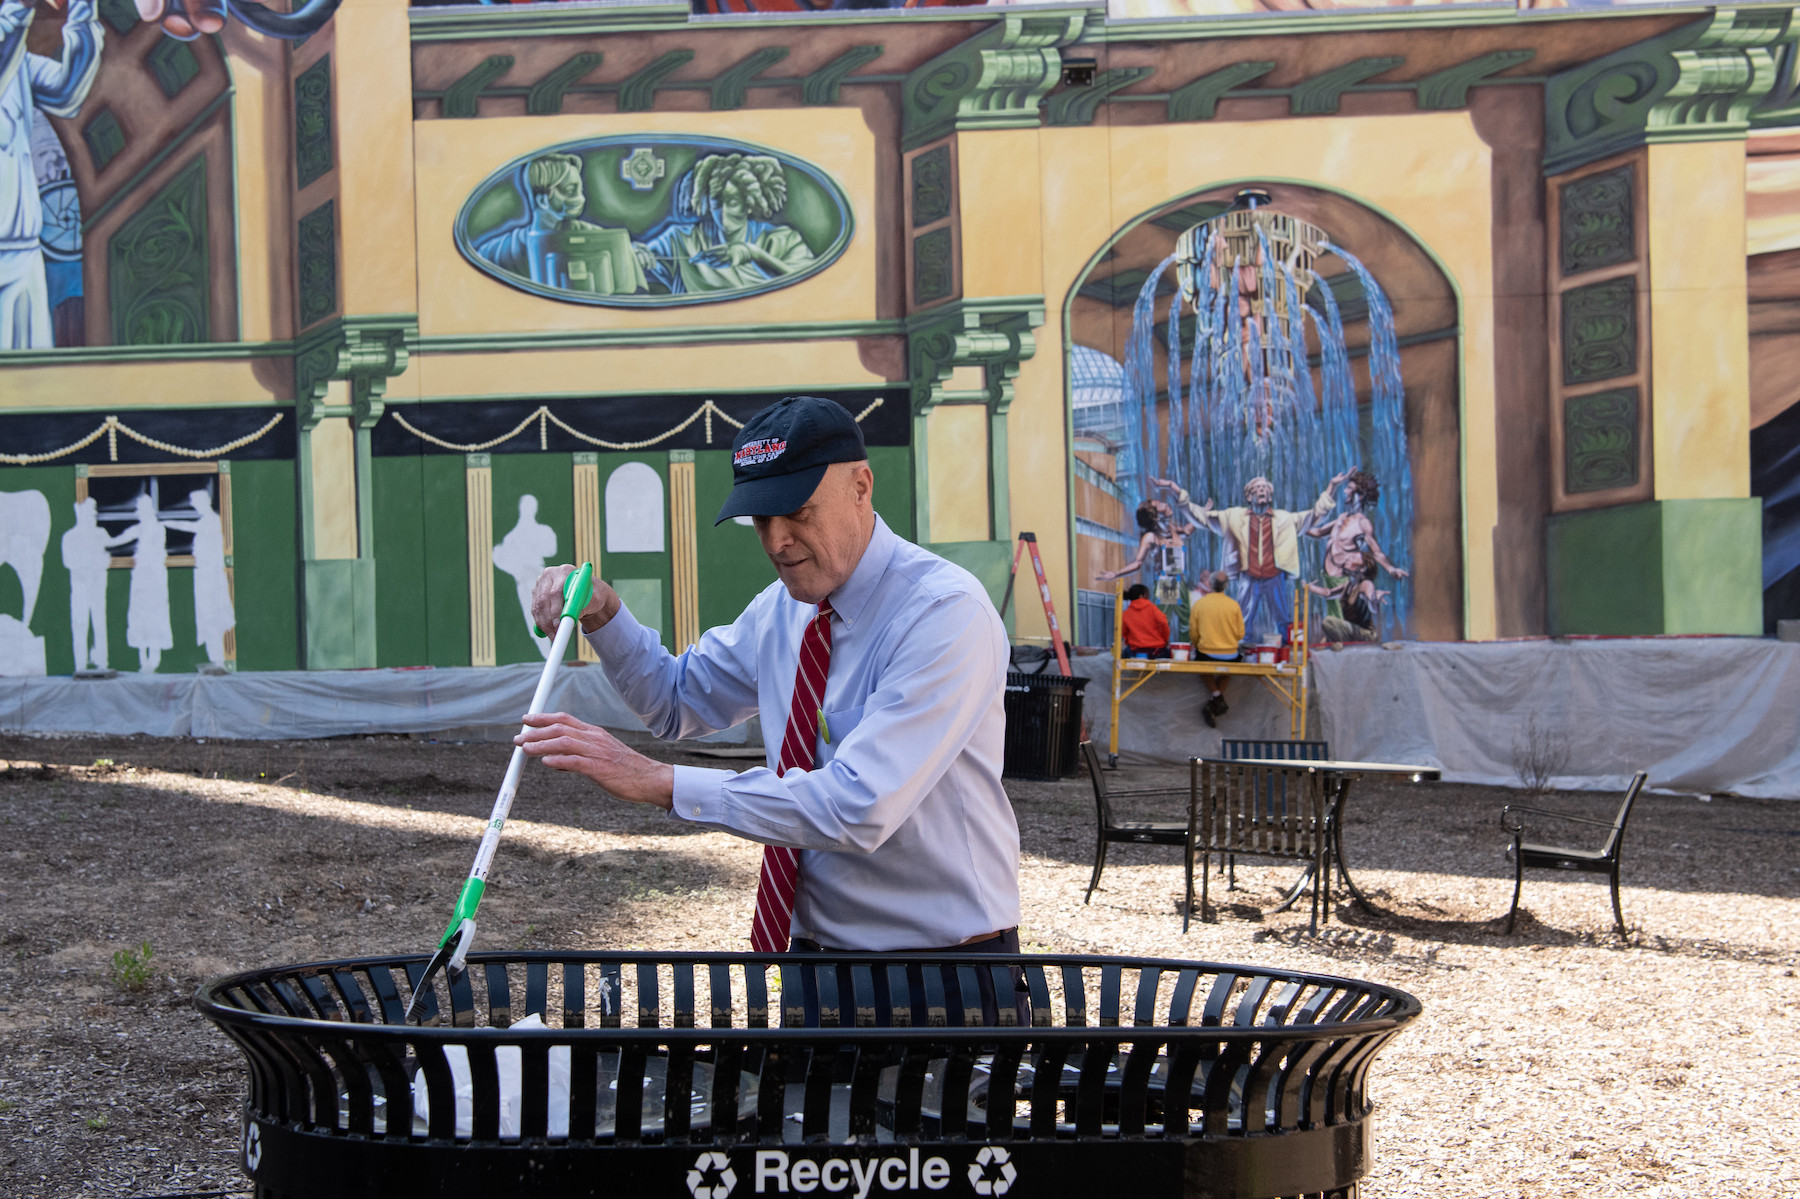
point(808, 945)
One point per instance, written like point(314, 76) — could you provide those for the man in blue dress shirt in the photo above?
point(906, 839)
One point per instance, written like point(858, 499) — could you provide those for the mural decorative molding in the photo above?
point(994, 80)
point(366, 350)
point(1596, 227)
point(1321, 94)
point(638, 93)
point(729, 87)
point(993, 334)
point(1698, 83)
point(1199, 100)
point(1449, 88)
point(1600, 432)
point(931, 186)
point(157, 263)
point(1599, 331)
point(823, 85)
point(934, 265)
point(1078, 106)
point(463, 98)
point(546, 95)
point(316, 249)
point(312, 122)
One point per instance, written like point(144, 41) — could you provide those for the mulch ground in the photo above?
point(1556, 1061)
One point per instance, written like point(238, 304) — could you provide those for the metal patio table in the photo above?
point(671, 1074)
point(1337, 776)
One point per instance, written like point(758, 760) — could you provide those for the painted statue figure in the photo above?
point(1262, 549)
point(56, 86)
point(1351, 557)
point(522, 554)
point(147, 614)
point(86, 555)
point(213, 614)
point(721, 235)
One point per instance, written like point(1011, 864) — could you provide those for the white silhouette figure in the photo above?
point(522, 554)
point(147, 617)
point(213, 614)
point(24, 536)
point(86, 556)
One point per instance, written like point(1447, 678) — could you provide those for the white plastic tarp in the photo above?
point(1701, 714)
point(283, 705)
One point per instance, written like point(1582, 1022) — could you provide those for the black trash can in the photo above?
point(1043, 724)
point(598, 1075)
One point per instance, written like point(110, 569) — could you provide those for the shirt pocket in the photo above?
point(833, 729)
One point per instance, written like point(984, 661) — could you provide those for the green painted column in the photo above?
point(1668, 566)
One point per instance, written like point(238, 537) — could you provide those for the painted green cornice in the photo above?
point(1321, 93)
point(463, 97)
point(546, 95)
point(728, 87)
point(366, 350)
point(821, 87)
point(600, 338)
point(994, 334)
point(1449, 88)
point(1696, 83)
point(1198, 100)
point(994, 80)
point(460, 22)
point(638, 93)
point(1078, 105)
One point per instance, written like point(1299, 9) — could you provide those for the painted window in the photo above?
point(634, 510)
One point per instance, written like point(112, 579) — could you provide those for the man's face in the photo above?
point(564, 198)
point(1352, 497)
point(816, 548)
point(1260, 495)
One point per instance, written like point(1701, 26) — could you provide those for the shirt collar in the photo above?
point(849, 600)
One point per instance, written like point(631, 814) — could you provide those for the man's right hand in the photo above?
point(547, 601)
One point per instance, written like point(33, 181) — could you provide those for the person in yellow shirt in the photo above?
point(1216, 626)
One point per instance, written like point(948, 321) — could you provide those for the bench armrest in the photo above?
point(1522, 809)
point(1127, 794)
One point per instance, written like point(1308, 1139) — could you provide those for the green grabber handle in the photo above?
point(578, 588)
point(453, 948)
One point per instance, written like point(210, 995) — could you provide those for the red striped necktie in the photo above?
point(781, 867)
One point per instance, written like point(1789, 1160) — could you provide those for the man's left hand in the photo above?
point(565, 743)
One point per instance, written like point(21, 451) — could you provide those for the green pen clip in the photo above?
point(824, 728)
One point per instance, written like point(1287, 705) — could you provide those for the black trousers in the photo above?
point(1007, 943)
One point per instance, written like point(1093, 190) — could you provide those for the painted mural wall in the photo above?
point(321, 332)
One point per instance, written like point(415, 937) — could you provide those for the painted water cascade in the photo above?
point(1249, 394)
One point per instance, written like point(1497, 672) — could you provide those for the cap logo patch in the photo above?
point(766, 449)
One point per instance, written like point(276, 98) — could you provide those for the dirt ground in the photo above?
point(1556, 1061)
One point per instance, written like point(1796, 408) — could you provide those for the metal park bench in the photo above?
point(1230, 807)
point(695, 1074)
point(1527, 855)
point(1135, 832)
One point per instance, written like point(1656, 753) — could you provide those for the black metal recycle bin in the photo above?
point(725, 1076)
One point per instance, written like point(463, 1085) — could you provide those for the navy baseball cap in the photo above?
point(778, 458)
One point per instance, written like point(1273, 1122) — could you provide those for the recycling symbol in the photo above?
point(981, 1171)
point(719, 1166)
point(252, 1147)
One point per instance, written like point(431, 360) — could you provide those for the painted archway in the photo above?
point(1427, 334)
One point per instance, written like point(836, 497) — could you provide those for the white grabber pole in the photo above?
point(459, 935)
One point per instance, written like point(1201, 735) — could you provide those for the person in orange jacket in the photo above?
point(1146, 629)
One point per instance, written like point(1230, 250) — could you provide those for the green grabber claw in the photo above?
point(578, 589)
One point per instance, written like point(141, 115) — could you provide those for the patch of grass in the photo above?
point(102, 762)
point(130, 969)
point(97, 1123)
point(7, 1105)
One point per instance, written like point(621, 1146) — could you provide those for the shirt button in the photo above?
point(694, 811)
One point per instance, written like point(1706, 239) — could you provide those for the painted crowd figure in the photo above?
point(213, 614)
point(87, 555)
point(522, 554)
point(721, 233)
point(56, 86)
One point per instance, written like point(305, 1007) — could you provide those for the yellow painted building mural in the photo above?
point(322, 331)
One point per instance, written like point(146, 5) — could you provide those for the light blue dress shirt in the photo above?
point(907, 839)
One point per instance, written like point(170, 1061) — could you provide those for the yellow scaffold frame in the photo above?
point(1286, 679)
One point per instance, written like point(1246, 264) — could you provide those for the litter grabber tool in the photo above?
point(459, 935)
